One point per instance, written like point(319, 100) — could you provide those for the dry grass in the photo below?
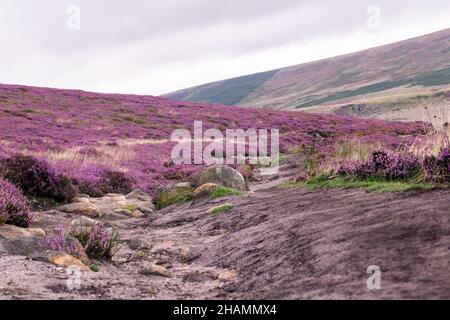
point(350, 149)
point(113, 157)
point(439, 138)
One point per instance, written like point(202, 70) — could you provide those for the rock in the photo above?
point(155, 270)
point(183, 184)
point(138, 195)
point(112, 206)
point(21, 241)
point(84, 208)
point(197, 276)
point(205, 190)
point(124, 212)
point(83, 221)
point(222, 175)
point(146, 207)
point(187, 255)
point(115, 195)
point(81, 199)
point(172, 194)
point(137, 214)
point(138, 244)
point(82, 224)
point(3, 250)
point(228, 275)
point(111, 216)
point(64, 260)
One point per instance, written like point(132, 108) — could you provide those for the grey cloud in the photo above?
point(129, 39)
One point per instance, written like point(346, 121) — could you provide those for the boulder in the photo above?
point(21, 241)
point(205, 190)
point(222, 175)
point(84, 208)
point(172, 194)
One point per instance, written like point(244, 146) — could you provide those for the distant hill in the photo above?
point(417, 66)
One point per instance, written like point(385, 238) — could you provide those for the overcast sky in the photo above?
point(159, 46)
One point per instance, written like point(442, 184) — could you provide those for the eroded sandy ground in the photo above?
point(274, 244)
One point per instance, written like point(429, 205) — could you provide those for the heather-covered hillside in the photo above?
point(410, 67)
point(82, 134)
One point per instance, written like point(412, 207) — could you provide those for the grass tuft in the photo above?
point(224, 208)
point(221, 192)
point(371, 184)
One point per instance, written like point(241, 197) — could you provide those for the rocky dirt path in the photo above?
point(273, 244)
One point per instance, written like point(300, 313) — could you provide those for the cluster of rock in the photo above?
point(137, 204)
point(87, 211)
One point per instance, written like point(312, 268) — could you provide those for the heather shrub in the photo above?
point(95, 242)
point(101, 182)
point(402, 166)
point(61, 240)
point(14, 208)
point(383, 165)
point(37, 178)
point(98, 243)
point(437, 168)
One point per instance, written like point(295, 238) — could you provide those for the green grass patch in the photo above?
point(94, 267)
point(130, 207)
point(221, 192)
point(224, 208)
point(28, 111)
point(372, 185)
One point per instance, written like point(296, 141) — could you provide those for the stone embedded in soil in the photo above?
point(138, 244)
point(228, 275)
point(124, 212)
point(84, 208)
point(197, 276)
point(138, 195)
point(64, 260)
point(21, 241)
point(204, 191)
point(187, 255)
point(137, 214)
point(112, 206)
point(223, 175)
point(155, 270)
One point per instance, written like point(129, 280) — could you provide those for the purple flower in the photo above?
point(14, 207)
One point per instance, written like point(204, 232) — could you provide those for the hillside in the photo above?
point(158, 231)
point(81, 133)
point(416, 66)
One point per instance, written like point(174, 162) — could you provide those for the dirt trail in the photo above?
point(274, 244)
